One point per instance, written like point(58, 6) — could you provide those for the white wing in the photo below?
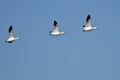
point(88, 21)
point(55, 26)
point(11, 33)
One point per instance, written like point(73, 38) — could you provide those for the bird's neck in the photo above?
point(61, 32)
point(17, 38)
point(95, 27)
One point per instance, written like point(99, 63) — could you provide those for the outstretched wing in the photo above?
point(55, 24)
point(10, 31)
point(88, 21)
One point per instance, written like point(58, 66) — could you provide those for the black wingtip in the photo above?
point(88, 17)
point(55, 23)
point(10, 28)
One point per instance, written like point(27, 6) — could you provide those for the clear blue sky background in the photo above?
point(75, 55)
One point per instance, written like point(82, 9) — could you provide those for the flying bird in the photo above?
point(56, 31)
point(88, 26)
point(11, 37)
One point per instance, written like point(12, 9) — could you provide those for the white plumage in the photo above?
point(11, 37)
point(88, 26)
point(56, 31)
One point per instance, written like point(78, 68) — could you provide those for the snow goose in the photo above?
point(88, 26)
point(11, 37)
point(56, 31)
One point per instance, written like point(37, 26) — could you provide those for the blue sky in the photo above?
point(73, 56)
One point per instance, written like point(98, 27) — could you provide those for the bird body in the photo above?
point(10, 40)
point(56, 31)
point(11, 37)
point(88, 26)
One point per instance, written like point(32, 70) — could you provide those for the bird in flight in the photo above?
point(56, 31)
point(11, 37)
point(88, 26)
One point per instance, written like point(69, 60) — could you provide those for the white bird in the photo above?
point(56, 31)
point(88, 26)
point(11, 37)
